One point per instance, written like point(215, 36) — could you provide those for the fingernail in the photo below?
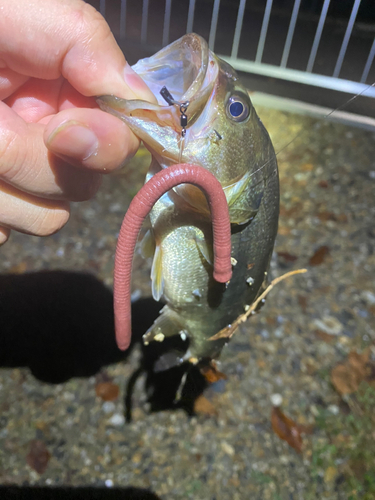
point(73, 139)
point(137, 85)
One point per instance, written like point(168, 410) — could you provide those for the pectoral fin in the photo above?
point(243, 199)
point(243, 196)
point(194, 197)
point(148, 245)
point(205, 248)
point(157, 274)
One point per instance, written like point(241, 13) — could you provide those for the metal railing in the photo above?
point(318, 48)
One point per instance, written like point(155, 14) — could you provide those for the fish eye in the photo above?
point(238, 108)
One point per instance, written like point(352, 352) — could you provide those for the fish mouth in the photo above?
point(183, 67)
point(188, 70)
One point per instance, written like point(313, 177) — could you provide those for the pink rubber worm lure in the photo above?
point(140, 207)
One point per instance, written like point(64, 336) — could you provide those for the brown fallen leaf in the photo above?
point(319, 256)
point(307, 167)
point(107, 391)
point(342, 218)
point(330, 216)
point(288, 257)
point(286, 429)
point(19, 268)
point(284, 230)
point(212, 374)
point(291, 212)
point(347, 376)
point(261, 364)
point(326, 216)
point(303, 302)
point(330, 474)
point(344, 379)
point(38, 456)
point(204, 407)
point(359, 362)
point(326, 337)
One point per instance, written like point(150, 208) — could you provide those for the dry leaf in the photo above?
point(330, 474)
point(286, 429)
point(284, 230)
point(291, 212)
point(108, 391)
point(325, 216)
point(38, 456)
point(319, 256)
point(212, 374)
point(307, 167)
point(347, 376)
point(204, 407)
point(288, 257)
point(344, 379)
point(19, 268)
point(302, 301)
point(359, 362)
point(137, 458)
point(326, 337)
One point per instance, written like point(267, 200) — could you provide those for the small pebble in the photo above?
point(227, 448)
point(276, 399)
point(334, 409)
point(329, 325)
point(369, 297)
point(108, 407)
point(117, 420)
point(279, 332)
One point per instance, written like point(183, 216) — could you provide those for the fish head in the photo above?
point(223, 133)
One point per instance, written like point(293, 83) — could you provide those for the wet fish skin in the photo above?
point(240, 154)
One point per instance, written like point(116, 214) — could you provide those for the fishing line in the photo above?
point(167, 96)
point(342, 106)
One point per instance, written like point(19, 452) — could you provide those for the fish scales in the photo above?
point(225, 136)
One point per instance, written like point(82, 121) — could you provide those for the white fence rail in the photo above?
point(316, 42)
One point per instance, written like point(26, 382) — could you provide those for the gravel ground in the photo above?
point(52, 363)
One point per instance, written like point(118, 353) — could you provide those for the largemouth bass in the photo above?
point(204, 117)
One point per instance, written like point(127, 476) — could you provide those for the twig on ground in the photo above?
point(229, 330)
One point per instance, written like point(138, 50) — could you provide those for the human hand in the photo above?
point(55, 143)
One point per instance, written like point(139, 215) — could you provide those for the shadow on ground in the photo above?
point(81, 493)
point(60, 325)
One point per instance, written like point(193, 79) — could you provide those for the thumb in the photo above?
point(70, 39)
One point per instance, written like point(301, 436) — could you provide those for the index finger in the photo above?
point(49, 38)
